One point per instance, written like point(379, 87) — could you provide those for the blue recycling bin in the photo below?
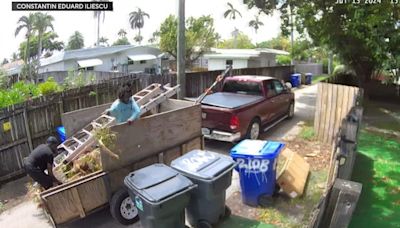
point(256, 163)
point(309, 78)
point(61, 133)
point(295, 80)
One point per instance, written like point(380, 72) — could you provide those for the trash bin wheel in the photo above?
point(227, 212)
point(123, 209)
point(203, 224)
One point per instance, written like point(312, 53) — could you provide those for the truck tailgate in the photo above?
point(216, 118)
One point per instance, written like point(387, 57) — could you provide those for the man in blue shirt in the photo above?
point(125, 108)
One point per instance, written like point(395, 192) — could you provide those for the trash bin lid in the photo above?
point(200, 164)
point(157, 182)
point(257, 148)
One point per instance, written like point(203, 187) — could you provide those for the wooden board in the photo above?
point(76, 120)
point(334, 102)
point(153, 134)
point(75, 200)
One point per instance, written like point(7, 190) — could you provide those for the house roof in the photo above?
point(242, 53)
point(13, 67)
point(86, 53)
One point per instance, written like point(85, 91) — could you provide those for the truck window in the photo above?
point(243, 87)
point(270, 89)
point(278, 87)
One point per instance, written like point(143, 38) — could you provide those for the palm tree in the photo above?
point(40, 24)
point(122, 33)
point(76, 41)
point(231, 12)
point(26, 22)
point(103, 41)
point(256, 23)
point(136, 19)
point(14, 57)
point(97, 15)
point(138, 38)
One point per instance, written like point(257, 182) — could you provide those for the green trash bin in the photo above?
point(212, 173)
point(160, 194)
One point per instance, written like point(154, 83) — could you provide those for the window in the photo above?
point(130, 62)
point(278, 87)
point(250, 88)
point(143, 61)
point(270, 89)
point(229, 62)
point(90, 68)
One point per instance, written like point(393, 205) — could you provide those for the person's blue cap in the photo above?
point(52, 140)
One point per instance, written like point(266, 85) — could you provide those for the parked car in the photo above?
point(246, 106)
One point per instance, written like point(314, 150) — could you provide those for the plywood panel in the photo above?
point(152, 135)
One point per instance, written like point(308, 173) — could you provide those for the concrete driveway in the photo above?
point(26, 214)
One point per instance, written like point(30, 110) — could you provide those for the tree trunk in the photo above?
point(364, 72)
point(39, 54)
point(140, 40)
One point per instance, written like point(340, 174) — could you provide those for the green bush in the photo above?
point(49, 87)
point(283, 60)
point(18, 93)
point(342, 70)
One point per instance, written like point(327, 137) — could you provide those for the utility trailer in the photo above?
point(161, 137)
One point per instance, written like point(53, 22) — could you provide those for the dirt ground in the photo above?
point(282, 210)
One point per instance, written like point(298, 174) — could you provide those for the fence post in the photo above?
point(348, 193)
point(28, 130)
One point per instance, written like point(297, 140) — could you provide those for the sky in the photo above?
point(66, 22)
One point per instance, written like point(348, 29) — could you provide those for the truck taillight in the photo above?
point(234, 123)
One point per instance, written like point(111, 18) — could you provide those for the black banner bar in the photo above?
point(62, 6)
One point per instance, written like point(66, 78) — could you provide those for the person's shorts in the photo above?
point(38, 175)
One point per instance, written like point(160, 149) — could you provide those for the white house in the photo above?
point(219, 59)
point(123, 58)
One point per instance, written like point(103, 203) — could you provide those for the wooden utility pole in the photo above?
point(181, 49)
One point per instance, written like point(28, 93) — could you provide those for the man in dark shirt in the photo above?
point(41, 159)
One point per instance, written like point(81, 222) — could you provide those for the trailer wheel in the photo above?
point(123, 209)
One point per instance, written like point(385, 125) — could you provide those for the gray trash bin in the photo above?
point(160, 194)
point(212, 172)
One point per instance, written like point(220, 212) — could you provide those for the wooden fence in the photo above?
point(26, 125)
point(340, 199)
point(333, 104)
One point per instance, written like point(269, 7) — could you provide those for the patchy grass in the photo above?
point(377, 167)
point(318, 78)
point(307, 132)
point(2, 207)
point(286, 212)
point(382, 115)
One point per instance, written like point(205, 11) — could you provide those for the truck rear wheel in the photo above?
point(253, 132)
point(123, 209)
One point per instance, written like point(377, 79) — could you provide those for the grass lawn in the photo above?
point(377, 167)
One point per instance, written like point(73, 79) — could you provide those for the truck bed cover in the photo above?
point(230, 100)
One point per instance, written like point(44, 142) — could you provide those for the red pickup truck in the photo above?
point(246, 106)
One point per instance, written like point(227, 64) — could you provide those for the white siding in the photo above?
point(52, 67)
point(220, 64)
